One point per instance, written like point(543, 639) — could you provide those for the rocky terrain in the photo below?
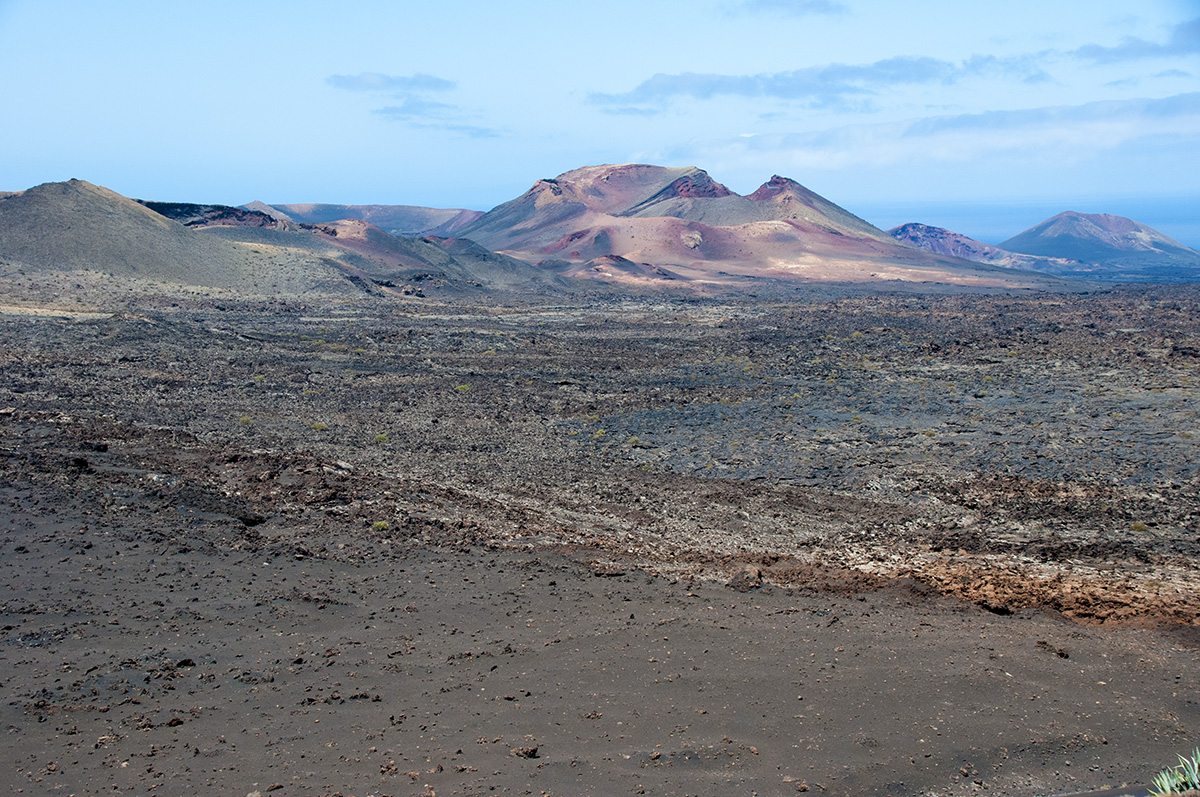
point(854, 543)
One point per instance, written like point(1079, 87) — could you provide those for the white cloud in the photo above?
point(843, 86)
point(1072, 132)
point(1145, 145)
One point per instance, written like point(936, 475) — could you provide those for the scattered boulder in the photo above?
point(747, 579)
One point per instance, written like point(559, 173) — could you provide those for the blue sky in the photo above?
point(984, 120)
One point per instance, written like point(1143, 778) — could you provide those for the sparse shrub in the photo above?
point(245, 420)
point(1179, 778)
point(598, 434)
point(381, 438)
point(462, 388)
point(380, 525)
point(633, 441)
point(1138, 525)
point(319, 426)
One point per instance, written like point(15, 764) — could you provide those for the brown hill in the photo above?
point(682, 221)
point(1112, 247)
point(77, 226)
point(403, 220)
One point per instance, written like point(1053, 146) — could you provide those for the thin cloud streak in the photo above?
point(794, 8)
point(847, 86)
point(1064, 132)
point(1184, 40)
point(377, 81)
point(412, 107)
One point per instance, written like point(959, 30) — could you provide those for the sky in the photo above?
point(984, 118)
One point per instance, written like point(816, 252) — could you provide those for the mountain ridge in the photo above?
point(948, 242)
point(681, 220)
point(399, 220)
point(1098, 246)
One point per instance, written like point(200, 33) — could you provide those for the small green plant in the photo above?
point(1138, 525)
point(1179, 778)
point(245, 420)
point(319, 426)
point(380, 525)
point(381, 438)
point(462, 388)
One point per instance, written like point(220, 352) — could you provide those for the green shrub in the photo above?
point(1179, 778)
point(319, 426)
point(381, 438)
point(380, 525)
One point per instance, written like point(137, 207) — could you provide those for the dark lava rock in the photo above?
point(746, 579)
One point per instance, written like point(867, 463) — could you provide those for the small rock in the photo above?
point(746, 579)
point(525, 752)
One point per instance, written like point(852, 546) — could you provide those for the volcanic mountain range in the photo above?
point(609, 228)
point(75, 226)
point(635, 223)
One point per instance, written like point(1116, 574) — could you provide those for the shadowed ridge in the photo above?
point(697, 183)
point(400, 220)
point(946, 242)
point(1115, 247)
point(263, 207)
point(1093, 236)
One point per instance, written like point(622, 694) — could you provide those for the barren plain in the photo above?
point(849, 544)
